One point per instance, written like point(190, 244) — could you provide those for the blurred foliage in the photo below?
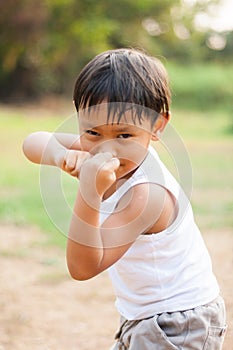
point(202, 87)
point(205, 135)
point(45, 43)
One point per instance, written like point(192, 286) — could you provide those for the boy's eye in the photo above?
point(92, 132)
point(124, 136)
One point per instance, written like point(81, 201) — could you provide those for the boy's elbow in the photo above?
point(34, 145)
point(80, 274)
point(79, 277)
point(28, 147)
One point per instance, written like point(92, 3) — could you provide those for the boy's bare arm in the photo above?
point(44, 146)
point(91, 248)
point(57, 149)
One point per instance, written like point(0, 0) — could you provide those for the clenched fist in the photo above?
point(97, 174)
point(71, 161)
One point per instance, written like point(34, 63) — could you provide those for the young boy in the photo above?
point(130, 215)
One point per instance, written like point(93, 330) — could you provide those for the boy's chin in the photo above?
point(125, 173)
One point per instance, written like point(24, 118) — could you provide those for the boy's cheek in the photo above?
point(133, 152)
point(125, 168)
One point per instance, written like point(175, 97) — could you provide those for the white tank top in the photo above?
point(167, 271)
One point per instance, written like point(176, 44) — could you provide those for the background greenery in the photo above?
point(206, 137)
point(44, 44)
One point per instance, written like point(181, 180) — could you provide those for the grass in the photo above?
point(21, 202)
point(207, 141)
point(202, 86)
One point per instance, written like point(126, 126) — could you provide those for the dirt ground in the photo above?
point(41, 308)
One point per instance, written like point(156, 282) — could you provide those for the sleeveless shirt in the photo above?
point(164, 272)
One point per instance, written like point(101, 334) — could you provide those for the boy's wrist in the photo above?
point(59, 156)
point(90, 195)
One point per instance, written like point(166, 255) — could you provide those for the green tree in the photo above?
point(45, 43)
point(21, 26)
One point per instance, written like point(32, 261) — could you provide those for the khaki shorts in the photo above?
point(201, 328)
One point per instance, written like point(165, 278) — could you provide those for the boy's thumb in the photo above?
point(112, 164)
point(115, 162)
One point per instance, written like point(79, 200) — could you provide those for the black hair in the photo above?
point(125, 76)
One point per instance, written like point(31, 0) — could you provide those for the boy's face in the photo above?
point(127, 140)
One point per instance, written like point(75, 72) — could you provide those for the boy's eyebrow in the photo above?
point(121, 127)
point(124, 128)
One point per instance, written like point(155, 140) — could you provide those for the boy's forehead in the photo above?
point(112, 114)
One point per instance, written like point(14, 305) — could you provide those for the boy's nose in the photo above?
point(107, 146)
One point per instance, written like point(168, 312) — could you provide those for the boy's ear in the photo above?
point(160, 125)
